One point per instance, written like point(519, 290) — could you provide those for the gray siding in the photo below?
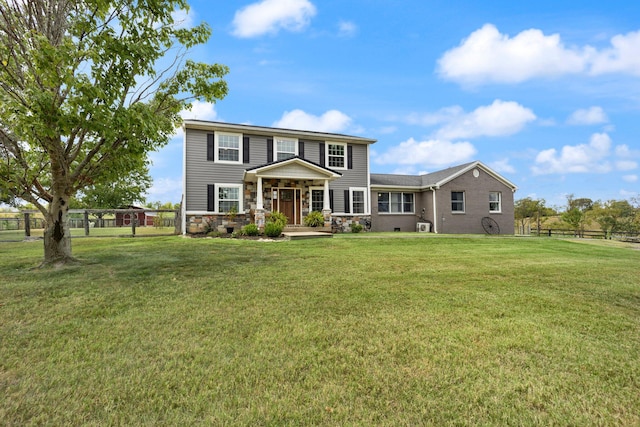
point(201, 172)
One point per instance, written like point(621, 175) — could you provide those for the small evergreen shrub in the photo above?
point(314, 219)
point(356, 228)
point(250, 230)
point(271, 229)
point(278, 218)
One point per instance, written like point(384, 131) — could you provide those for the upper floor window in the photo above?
point(228, 147)
point(285, 148)
point(395, 203)
point(457, 201)
point(336, 155)
point(495, 201)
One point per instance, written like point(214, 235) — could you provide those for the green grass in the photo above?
point(18, 235)
point(354, 330)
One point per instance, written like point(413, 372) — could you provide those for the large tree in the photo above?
point(87, 89)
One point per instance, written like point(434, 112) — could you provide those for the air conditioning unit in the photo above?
point(423, 227)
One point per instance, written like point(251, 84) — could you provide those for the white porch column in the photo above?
point(326, 205)
point(259, 201)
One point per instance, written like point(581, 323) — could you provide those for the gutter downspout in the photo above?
point(435, 211)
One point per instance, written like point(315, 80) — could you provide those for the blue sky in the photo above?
point(545, 93)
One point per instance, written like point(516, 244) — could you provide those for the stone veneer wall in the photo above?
point(203, 223)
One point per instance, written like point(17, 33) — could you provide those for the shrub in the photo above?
point(277, 218)
point(250, 230)
point(314, 219)
point(356, 228)
point(271, 229)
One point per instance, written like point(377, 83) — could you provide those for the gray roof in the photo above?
point(419, 181)
point(431, 180)
point(264, 130)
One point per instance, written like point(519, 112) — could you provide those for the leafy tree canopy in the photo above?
point(87, 89)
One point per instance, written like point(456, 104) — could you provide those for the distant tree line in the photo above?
point(612, 216)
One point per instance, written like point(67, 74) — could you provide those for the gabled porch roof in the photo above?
point(291, 168)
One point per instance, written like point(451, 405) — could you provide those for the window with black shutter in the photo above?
point(245, 149)
point(210, 147)
point(211, 198)
point(269, 150)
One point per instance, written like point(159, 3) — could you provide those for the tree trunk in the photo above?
point(57, 234)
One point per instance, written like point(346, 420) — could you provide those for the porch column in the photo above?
point(326, 205)
point(259, 201)
point(325, 201)
point(259, 215)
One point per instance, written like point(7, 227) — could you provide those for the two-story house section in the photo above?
point(255, 170)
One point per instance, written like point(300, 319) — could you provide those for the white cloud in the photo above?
point(347, 29)
point(589, 116)
point(488, 56)
point(630, 178)
point(580, 158)
point(432, 152)
point(622, 57)
point(270, 16)
point(502, 166)
point(498, 119)
point(626, 165)
point(501, 118)
point(332, 121)
point(165, 190)
point(183, 18)
point(199, 111)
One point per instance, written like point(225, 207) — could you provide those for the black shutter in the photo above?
point(322, 154)
point(349, 157)
point(245, 149)
point(331, 200)
point(301, 149)
point(210, 147)
point(347, 205)
point(211, 192)
point(269, 150)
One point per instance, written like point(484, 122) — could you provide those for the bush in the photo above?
point(277, 218)
point(314, 219)
point(271, 229)
point(356, 228)
point(250, 230)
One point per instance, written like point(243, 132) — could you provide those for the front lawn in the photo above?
point(354, 330)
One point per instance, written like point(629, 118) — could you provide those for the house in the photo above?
point(469, 198)
point(255, 170)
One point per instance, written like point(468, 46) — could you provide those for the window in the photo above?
point(286, 148)
point(317, 199)
point(228, 196)
point(495, 201)
point(336, 155)
point(228, 147)
point(358, 200)
point(383, 202)
point(395, 203)
point(457, 201)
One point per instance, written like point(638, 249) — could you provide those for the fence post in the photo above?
point(86, 223)
point(27, 224)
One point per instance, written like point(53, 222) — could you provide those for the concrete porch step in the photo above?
point(298, 235)
point(303, 229)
